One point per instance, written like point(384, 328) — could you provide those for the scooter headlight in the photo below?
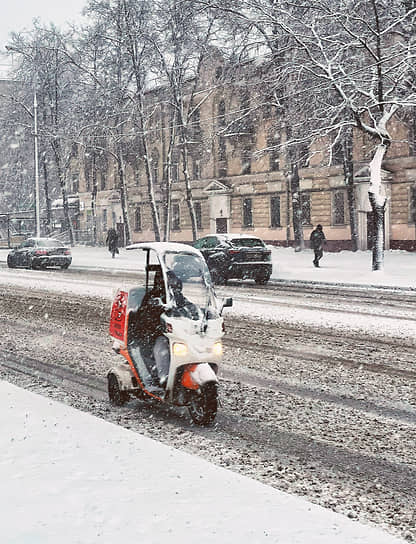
point(180, 349)
point(217, 349)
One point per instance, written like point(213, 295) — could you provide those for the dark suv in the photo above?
point(236, 256)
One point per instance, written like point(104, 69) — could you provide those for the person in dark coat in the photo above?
point(112, 241)
point(318, 240)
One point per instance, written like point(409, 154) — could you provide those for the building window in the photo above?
point(275, 211)
point(305, 204)
point(412, 204)
point(75, 183)
point(196, 126)
point(412, 133)
point(174, 171)
point(137, 219)
point(176, 217)
point(338, 208)
point(105, 220)
point(114, 218)
point(103, 181)
point(273, 142)
point(222, 156)
point(246, 161)
point(196, 168)
point(303, 155)
point(87, 181)
point(198, 215)
point(247, 212)
point(337, 153)
point(221, 113)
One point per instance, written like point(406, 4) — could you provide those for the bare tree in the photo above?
point(360, 57)
point(183, 39)
point(43, 63)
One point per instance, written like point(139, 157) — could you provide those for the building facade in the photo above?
point(240, 181)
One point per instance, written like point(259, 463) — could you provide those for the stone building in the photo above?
point(239, 186)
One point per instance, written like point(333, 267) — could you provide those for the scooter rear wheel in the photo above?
point(115, 394)
point(204, 404)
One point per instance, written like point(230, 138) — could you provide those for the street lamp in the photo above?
point(36, 148)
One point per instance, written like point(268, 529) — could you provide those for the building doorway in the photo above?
point(221, 225)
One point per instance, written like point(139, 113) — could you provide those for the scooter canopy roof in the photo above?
point(161, 248)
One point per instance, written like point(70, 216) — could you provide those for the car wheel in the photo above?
point(116, 396)
point(30, 263)
point(10, 262)
point(262, 279)
point(64, 266)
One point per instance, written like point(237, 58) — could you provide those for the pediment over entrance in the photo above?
point(217, 187)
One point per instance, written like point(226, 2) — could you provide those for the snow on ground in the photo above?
point(343, 267)
point(71, 478)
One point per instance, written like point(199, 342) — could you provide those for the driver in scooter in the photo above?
point(161, 349)
point(145, 323)
point(184, 306)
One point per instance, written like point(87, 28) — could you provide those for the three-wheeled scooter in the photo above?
point(169, 332)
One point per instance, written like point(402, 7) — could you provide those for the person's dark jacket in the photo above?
point(317, 239)
point(112, 239)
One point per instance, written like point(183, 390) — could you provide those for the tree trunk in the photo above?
point(123, 196)
point(48, 223)
point(378, 204)
point(297, 208)
point(378, 236)
point(94, 198)
point(168, 179)
point(150, 183)
point(349, 180)
point(57, 153)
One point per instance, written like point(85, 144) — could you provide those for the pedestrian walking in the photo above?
point(112, 241)
point(318, 240)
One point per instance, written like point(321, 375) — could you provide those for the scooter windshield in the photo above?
point(190, 286)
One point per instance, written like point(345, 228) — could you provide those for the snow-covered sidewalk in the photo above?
point(71, 478)
point(343, 267)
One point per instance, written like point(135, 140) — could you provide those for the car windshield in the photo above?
point(247, 242)
point(49, 243)
point(190, 286)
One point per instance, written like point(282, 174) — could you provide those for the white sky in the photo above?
point(17, 15)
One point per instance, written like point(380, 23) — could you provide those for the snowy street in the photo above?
point(343, 267)
point(321, 414)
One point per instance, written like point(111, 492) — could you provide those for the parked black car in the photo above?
point(40, 253)
point(236, 256)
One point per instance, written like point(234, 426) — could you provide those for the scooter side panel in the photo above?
point(118, 317)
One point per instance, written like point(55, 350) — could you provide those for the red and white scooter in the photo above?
point(176, 310)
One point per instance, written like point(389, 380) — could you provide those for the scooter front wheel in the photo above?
point(115, 394)
point(204, 404)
